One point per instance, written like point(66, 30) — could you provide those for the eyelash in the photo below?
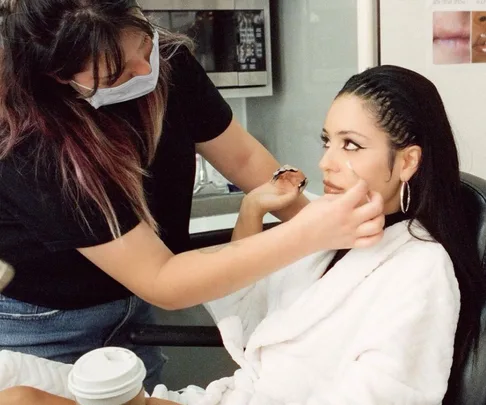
point(347, 142)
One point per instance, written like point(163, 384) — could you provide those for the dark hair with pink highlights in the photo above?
point(45, 43)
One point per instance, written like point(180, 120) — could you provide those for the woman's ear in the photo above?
point(411, 157)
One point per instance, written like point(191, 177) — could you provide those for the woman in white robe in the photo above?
point(366, 326)
point(378, 325)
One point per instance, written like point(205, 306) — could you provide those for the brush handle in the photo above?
point(6, 275)
point(348, 164)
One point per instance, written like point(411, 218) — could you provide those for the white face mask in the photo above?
point(136, 87)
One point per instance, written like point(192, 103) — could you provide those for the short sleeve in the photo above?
point(194, 99)
point(33, 196)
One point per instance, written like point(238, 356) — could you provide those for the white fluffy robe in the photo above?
point(378, 328)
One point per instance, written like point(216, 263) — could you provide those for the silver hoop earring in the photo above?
point(404, 206)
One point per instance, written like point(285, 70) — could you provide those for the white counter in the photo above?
point(228, 221)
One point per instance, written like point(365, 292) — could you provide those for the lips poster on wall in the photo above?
point(459, 31)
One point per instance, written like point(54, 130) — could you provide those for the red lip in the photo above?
point(452, 34)
point(479, 49)
point(452, 38)
point(480, 41)
point(332, 186)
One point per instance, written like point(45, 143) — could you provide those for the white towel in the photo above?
point(24, 369)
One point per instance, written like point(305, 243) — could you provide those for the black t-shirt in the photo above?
point(39, 231)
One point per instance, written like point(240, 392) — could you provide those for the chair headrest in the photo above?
point(469, 387)
point(474, 197)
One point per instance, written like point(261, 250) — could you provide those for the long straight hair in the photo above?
point(45, 43)
point(409, 108)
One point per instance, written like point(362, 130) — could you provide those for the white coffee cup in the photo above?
point(108, 376)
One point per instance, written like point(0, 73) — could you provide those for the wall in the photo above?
point(462, 86)
point(314, 51)
point(238, 105)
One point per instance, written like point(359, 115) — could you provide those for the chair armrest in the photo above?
point(170, 335)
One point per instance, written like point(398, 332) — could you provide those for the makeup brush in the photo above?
point(348, 163)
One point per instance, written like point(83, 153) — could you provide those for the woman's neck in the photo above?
point(394, 218)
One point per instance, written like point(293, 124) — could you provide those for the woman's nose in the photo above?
point(140, 67)
point(329, 161)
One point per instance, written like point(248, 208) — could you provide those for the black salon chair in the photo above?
point(470, 387)
point(467, 389)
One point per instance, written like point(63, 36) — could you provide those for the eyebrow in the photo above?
point(123, 67)
point(346, 132)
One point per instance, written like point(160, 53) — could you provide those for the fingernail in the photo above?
point(303, 184)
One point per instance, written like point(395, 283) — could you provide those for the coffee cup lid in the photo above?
point(106, 372)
